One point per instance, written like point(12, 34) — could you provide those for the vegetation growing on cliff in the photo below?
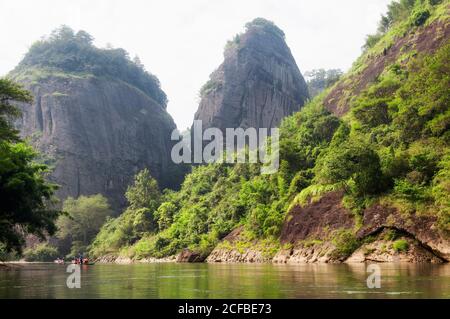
point(25, 206)
point(266, 25)
point(320, 79)
point(74, 53)
point(392, 146)
point(216, 198)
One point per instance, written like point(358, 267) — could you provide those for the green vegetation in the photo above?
point(392, 146)
point(256, 24)
point(266, 25)
point(234, 43)
point(136, 221)
point(25, 206)
point(400, 245)
point(68, 53)
point(10, 92)
point(346, 243)
point(401, 16)
point(41, 253)
point(320, 79)
point(214, 199)
point(209, 86)
point(81, 223)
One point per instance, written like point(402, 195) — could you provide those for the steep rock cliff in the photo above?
point(257, 85)
point(95, 128)
point(97, 134)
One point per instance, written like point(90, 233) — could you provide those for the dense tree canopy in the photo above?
point(82, 221)
point(74, 52)
point(266, 25)
point(25, 195)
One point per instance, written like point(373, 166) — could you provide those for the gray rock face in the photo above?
point(257, 85)
point(97, 133)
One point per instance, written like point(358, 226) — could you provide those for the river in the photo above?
point(171, 280)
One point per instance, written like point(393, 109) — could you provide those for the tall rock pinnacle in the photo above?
point(257, 85)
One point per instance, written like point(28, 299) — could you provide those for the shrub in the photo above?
point(407, 190)
point(434, 2)
point(209, 86)
point(42, 253)
point(400, 245)
point(419, 17)
point(346, 243)
point(266, 25)
point(351, 162)
point(234, 43)
point(6, 255)
point(143, 247)
point(371, 40)
point(391, 234)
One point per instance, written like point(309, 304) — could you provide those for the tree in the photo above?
point(266, 25)
point(72, 52)
point(84, 38)
point(144, 193)
point(63, 33)
point(320, 79)
point(165, 215)
point(384, 24)
point(10, 92)
point(137, 61)
point(25, 196)
point(83, 219)
point(351, 161)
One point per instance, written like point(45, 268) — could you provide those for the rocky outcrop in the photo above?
point(236, 248)
point(423, 228)
point(189, 256)
point(108, 259)
point(222, 255)
point(309, 229)
point(324, 231)
point(96, 133)
point(316, 220)
point(257, 85)
point(306, 254)
point(383, 250)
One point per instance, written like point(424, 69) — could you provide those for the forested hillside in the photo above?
point(376, 143)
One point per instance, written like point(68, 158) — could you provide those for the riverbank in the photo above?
point(324, 231)
point(114, 259)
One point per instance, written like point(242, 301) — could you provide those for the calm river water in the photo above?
point(225, 281)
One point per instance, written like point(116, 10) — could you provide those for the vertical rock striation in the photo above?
point(97, 116)
point(257, 85)
point(97, 133)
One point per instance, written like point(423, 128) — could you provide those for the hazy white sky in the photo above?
point(182, 41)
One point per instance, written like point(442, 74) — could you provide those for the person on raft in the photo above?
point(80, 260)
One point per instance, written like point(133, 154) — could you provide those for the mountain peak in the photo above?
point(258, 83)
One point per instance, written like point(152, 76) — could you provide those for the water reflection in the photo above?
point(226, 281)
